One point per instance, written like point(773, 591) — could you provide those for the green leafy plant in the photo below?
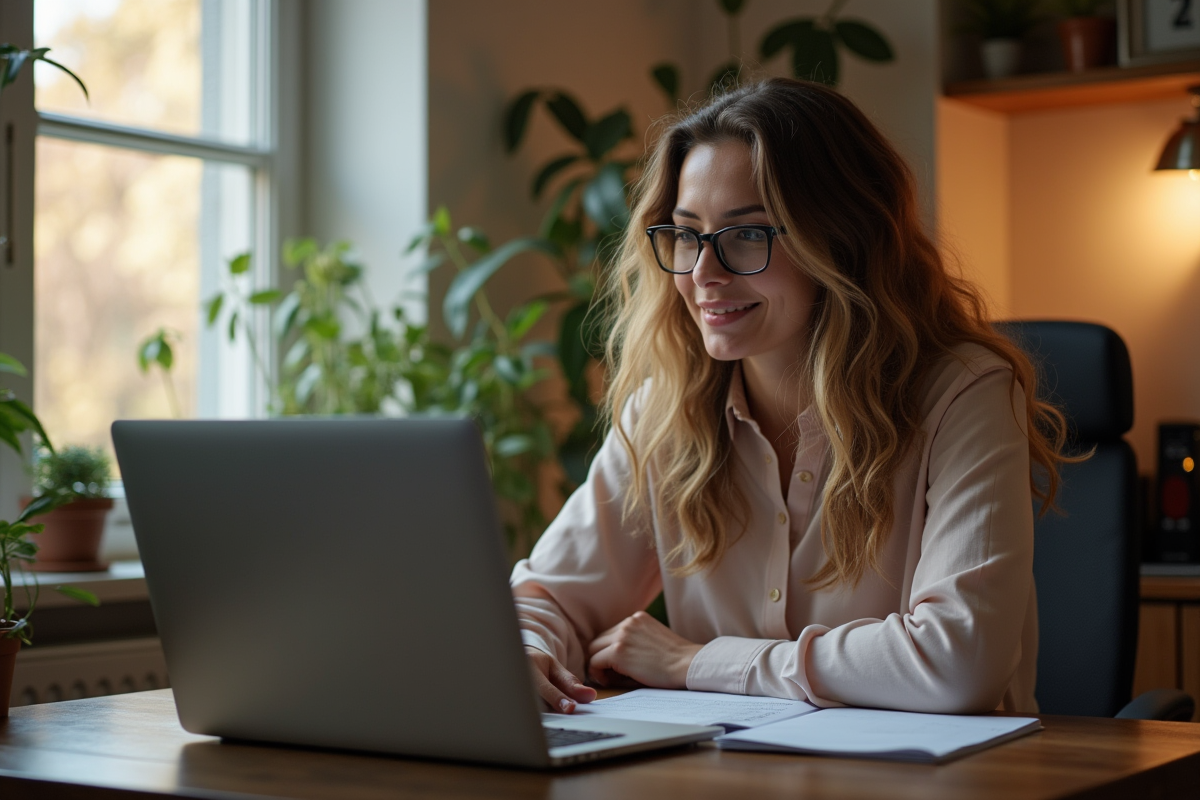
point(1000, 19)
point(13, 58)
point(815, 44)
point(17, 550)
point(15, 416)
point(72, 473)
point(157, 350)
point(343, 355)
point(583, 227)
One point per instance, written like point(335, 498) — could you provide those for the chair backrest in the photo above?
point(1086, 558)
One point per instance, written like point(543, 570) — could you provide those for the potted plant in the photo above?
point(76, 478)
point(1088, 39)
point(17, 550)
point(1001, 24)
point(341, 354)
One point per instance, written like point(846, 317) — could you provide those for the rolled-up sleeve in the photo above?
point(596, 567)
point(956, 643)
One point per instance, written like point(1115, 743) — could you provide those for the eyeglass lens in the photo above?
point(742, 249)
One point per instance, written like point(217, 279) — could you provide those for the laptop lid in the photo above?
point(332, 582)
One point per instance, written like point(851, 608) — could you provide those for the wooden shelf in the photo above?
point(1181, 589)
point(1046, 91)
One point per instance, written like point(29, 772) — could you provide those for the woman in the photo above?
point(820, 450)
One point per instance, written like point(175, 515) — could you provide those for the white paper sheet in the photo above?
point(896, 735)
point(731, 711)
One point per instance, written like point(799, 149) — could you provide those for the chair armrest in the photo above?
point(1171, 705)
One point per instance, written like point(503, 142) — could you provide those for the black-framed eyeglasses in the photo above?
point(741, 249)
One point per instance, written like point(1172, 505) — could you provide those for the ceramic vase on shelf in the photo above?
point(1001, 57)
point(1087, 42)
point(70, 541)
point(8, 664)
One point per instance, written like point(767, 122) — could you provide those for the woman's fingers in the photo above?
point(602, 641)
point(600, 666)
point(555, 684)
point(567, 683)
point(550, 693)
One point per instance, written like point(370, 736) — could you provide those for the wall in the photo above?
point(973, 197)
point(365, 133)
point(1098, 236)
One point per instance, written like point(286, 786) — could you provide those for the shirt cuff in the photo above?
point(801, 675)
point(531, 639)
point(723, 664)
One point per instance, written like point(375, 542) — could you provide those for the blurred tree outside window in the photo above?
point(141, 195)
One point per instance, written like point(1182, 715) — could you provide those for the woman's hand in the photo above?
point(555, 683)
point(642, 648)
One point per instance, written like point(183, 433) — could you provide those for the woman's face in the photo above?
point(762, 317)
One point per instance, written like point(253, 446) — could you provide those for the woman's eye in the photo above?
point(751, 235)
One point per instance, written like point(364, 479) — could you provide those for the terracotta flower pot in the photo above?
point(8, 663)
point(1088, 42)
point(71, 539)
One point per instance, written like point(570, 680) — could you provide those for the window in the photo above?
point(142, 194)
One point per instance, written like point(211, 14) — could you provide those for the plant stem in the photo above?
point(835, 8)
point(172, 398)
point(258, 362)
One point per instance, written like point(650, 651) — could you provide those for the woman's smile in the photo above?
point(719, 312)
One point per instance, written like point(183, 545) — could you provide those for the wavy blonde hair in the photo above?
point(887, 311)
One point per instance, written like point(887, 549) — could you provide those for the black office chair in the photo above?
point(1085, 562)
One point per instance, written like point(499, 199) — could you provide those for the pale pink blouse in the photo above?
point(950, 625)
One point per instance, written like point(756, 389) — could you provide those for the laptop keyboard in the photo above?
point(561, 737)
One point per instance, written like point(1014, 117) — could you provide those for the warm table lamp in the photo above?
point(1183, 148)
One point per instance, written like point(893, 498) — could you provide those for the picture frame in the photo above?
point(1157, 31)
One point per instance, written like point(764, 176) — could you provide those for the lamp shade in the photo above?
point(1182, 150)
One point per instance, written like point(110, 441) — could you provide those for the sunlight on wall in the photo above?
point(972, 198)
point(1097, 235)
point(1060, 215)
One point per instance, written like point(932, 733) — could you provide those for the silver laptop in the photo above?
point(342, 583)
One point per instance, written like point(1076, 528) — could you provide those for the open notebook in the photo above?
point(790, 726)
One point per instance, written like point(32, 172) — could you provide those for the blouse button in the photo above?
point(768, 459)
point(782, 518)
point(805, 476)
point(775, 595)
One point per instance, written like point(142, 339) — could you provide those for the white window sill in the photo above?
point(122, 582)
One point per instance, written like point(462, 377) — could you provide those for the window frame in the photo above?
point(272, 157)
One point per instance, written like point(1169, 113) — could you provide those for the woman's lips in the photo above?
point(718, 315)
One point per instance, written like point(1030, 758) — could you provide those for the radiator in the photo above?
point(73, 671)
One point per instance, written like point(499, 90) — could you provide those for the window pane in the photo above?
point(117, 257)
point(181, 66)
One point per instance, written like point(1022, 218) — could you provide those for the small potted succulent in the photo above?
point(76, 479)
point(1088, 39)
point(1001, 24)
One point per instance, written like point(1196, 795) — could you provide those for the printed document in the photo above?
point(730, 711)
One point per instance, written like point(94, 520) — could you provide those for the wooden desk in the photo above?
point(132, 745)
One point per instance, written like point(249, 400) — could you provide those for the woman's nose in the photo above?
point(708, 271)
